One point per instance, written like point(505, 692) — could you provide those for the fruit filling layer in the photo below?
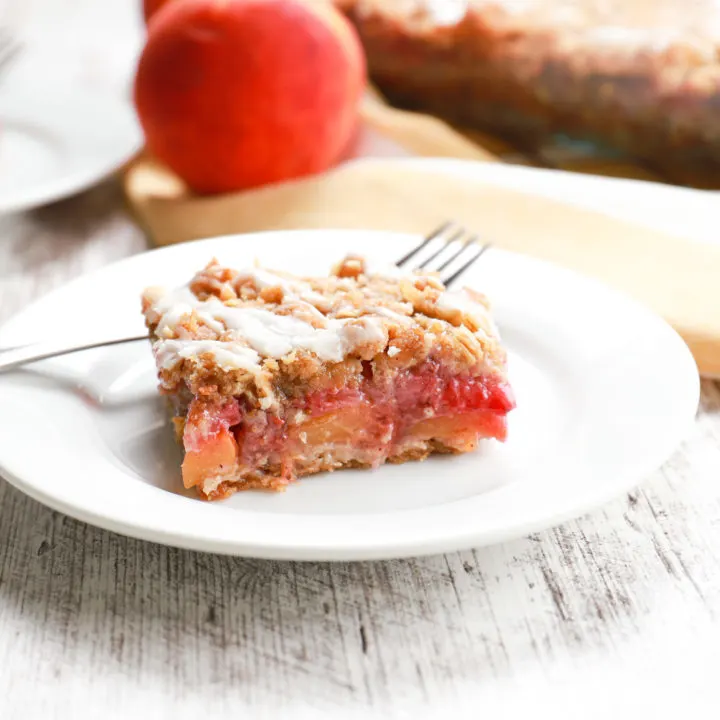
point(236, 443)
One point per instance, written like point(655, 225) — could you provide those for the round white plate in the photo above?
point(57, 140)
point(605, 392)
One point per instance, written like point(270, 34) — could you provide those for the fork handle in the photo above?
point(16, 357)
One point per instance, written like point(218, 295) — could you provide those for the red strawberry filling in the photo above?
point(377, 421)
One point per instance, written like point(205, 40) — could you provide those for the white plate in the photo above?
point(605, 391)
point(57, 140)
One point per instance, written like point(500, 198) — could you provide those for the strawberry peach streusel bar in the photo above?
point(271, 376)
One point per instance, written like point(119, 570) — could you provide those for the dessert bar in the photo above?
point(271, 376)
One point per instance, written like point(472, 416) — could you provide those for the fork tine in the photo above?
point(480, 251)
point(455, 236)
point(428, 239)
point(458, 234)
point(470, 241)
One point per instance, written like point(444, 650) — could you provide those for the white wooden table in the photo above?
point(617, 612)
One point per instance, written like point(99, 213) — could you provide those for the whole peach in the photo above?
point(234, 94)
point(150, 7)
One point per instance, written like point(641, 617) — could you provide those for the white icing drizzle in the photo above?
point(462, 301)
point(264, 279)
point(392, 315)
point(228, 355)
point(292, 288)
point(252, 333)
point(373, 268)
point(170, 319)
point(458, 300)
point(255, 332)
point(274, 335)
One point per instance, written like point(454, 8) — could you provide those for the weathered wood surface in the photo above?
point(617, 610)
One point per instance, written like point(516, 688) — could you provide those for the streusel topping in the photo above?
point(246, 327)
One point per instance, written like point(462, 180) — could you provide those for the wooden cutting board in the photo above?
point(677, 278)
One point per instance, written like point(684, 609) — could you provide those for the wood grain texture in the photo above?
point(615, 612)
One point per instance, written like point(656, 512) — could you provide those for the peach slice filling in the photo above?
point(370, 424)
point(217, 457)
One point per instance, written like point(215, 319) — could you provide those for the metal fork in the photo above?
point(457, 251)
point(10, 48)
